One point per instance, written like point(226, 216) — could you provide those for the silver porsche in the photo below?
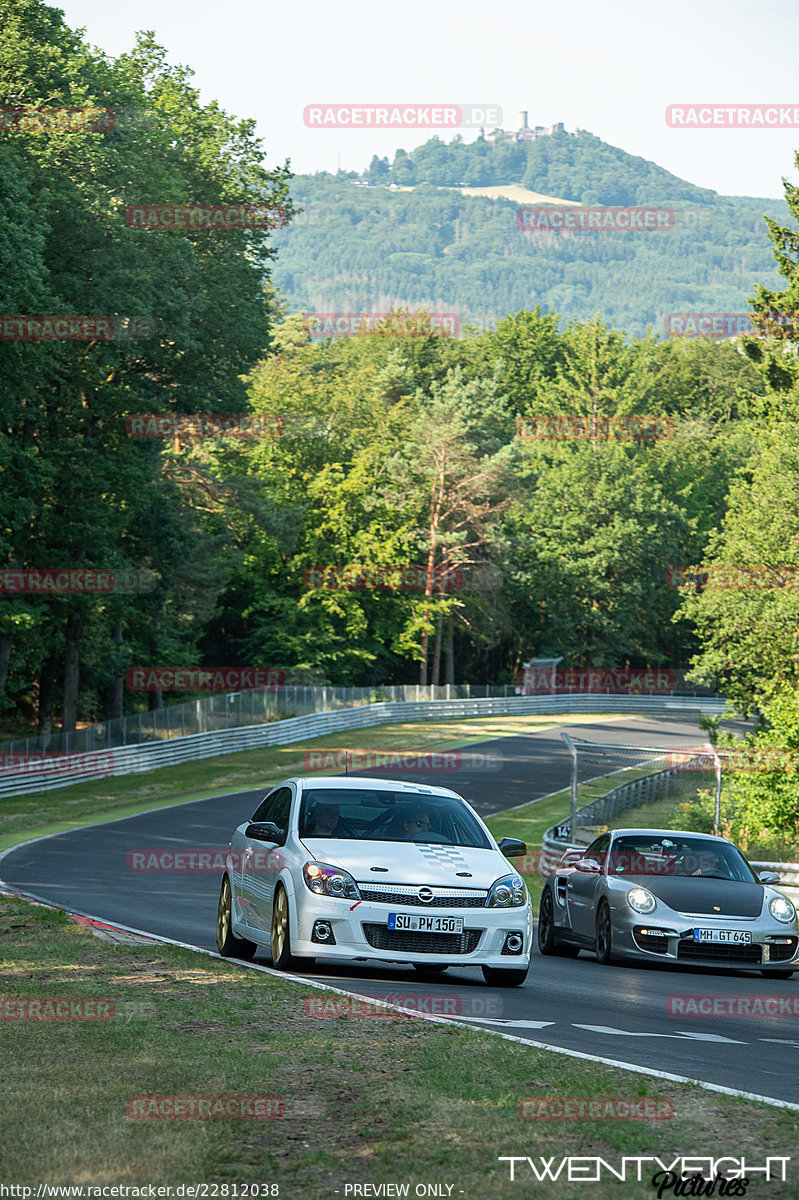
point(666, 896)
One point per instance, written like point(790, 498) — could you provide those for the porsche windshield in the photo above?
point(369, 815)
point(692, 857)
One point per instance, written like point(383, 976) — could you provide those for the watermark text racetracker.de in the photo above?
point(56, 1008)
point(733, 116)
point(577, 427)
point(172, 1108)
point(344, 759)
point(731, 324)
point(44, 762)
point(28, 118)
point(168, 860)
point(75, 581)
point(594, 1108)
point(533, 681)
point(551, 218)
point(441, 1004)
point(401, 116)
point(372, 324)
point(734, 576)
point(731, 1005)
point(203, 425)
point(217, 679)
point(167, 218)
point(67, 327)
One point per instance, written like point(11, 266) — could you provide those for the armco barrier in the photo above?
point(128, 760)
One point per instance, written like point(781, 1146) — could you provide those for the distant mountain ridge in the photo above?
point(409, 233)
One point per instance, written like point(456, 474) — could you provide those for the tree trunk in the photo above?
point(46, 696)
point(114, 693)
point(437, 650)
point(71, 674)
point(156, 701)
point(450, 667)
point(5, 655)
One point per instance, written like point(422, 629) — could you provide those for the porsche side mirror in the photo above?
point(588, 866)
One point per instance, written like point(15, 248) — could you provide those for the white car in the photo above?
point(374, 870)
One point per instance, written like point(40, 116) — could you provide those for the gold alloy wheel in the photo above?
point(223, 914)
point(280, 922)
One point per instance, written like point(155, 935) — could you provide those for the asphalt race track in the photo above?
point(615, 1012)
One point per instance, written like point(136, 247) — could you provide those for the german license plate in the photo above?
point(419, 924)
point(735, 937)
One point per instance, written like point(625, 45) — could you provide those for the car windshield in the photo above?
point(655, 854)
point(363, 814)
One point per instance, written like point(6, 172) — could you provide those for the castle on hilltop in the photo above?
point(525, 133)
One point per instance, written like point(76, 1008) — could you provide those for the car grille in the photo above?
point(392, 893)
point(691, 950)
point(655, 943)
point(781, 951)
point(380, 937)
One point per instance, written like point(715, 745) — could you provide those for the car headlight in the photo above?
point(325, 880)
point(641, 900)
point(781, 909)
point(507, 892)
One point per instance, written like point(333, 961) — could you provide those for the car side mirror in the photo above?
point(512, 847)
point(769, 877)
point(588, 866)
point(265, 831)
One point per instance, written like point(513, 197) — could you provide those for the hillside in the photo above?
point(414, 232)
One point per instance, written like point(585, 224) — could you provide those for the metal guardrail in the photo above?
point(258, 706)
point(55, 772)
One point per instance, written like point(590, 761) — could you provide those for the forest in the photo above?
point(411, 238)
point(388, 507)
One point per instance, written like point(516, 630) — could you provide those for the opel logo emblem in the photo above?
point(425, 894)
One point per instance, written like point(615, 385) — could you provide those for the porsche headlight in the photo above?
point(641, 900)
point(325, 880)
point(781, 909)
point(507, 892)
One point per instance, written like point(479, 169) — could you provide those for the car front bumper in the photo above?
point(667, 936)
point(360, 930)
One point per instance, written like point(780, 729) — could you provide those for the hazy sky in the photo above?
point(608, 66)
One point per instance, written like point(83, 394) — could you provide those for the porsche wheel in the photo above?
point(548, 942)
point(604, 935)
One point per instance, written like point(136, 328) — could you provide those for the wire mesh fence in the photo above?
point(231, 710)
point(645, 786)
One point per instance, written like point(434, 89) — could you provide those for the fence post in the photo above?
point(573, 803)
point(717, 812)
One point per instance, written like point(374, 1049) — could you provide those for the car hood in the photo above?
point(714, 897)
point(412, 862)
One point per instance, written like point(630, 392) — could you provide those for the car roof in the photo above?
point(374, 784)
point(667, 833)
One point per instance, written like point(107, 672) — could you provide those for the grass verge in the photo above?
point(366, 1101)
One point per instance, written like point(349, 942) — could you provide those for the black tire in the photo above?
point(546, 925)
point(280, 933)
point(228, 944)
point(548, 941)
point(430, 968)
point(604, 935)
point(776, 974)
point(505, 977)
